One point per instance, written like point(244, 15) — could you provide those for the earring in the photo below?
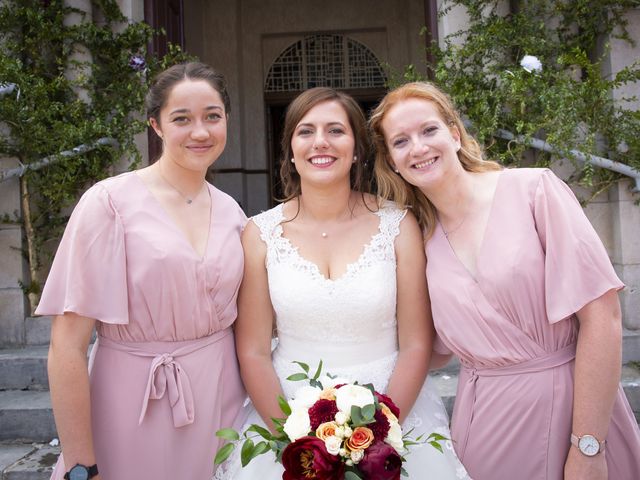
point(396, 170)
point(293, 161)
point(458, 148)
point(355, 159)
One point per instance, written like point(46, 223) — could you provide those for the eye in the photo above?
point(180, 119)
point(214, 116)
point(304, 131)
point(336, 131)
point(429, 130)
point(399, 142)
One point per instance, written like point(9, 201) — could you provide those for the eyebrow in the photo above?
point(330, 124)
point(186, 110)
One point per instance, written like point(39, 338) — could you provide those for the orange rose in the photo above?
point(360, 439)
point(387, 412)
point(325, 430)
point(328, 394)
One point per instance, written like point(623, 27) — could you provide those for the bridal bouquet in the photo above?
point(333, 430)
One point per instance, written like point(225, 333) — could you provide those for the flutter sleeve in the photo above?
point(89, 273)
point(577, 267)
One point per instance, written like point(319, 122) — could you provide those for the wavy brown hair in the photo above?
point(392, 186)
point(297, 110)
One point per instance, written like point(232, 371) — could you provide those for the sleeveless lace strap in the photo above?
point(269, 224)
point(382, 244)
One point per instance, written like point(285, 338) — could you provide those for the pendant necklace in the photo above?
point(449, 232)
point(187, 199)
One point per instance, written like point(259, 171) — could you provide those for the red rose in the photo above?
point(381, 462)
point(308, 459)
point(382, 398)
point(321, 412)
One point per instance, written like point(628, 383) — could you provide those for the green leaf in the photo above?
point(246, 454)
point(260, 448)
point(368, 411)
point(437, 446)
point(228, 434)
point(296, 377)
point(351, 475)
point(224, 453)
point(318, 371)
point(304, 366)
point(284, 406)
point(263, 432)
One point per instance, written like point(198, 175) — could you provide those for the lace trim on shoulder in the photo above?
point(269, 224)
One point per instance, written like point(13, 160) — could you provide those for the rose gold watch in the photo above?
point(588, 444)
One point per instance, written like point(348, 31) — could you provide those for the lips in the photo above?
point(322, 161)
point(425, 164)
point(199, 148)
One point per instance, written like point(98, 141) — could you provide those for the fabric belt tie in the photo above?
point(466, 402)
point(166, 375)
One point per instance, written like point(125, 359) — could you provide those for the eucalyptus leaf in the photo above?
point(351, 475)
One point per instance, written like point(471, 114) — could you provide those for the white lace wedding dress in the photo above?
point(349, 323)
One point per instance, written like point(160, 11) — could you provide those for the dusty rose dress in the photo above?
point(164, 375)
point(514, 331)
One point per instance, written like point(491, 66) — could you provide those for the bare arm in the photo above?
point(597, 374)
point(69, 385)
point(415, 326)
point(254, 328)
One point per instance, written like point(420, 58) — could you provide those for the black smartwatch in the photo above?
point(80, 472)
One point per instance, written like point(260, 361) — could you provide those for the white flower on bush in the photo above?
point(350, 395)
point(298, 424)
point(341, 418)
point(357, 455)
point(531, 63)
point(394, 437)
point(333, 444)
point(305, 397)
point(328, 382)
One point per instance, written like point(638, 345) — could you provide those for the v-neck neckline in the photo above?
point(481, 247)
point(169, 219)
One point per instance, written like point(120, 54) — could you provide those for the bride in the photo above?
point(341, 279)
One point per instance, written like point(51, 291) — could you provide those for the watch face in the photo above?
point(589, 445)
point(78, 473)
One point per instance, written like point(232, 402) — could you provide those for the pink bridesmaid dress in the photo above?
point(164, 375)
point(514, 329)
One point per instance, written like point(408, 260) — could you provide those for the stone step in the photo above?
point(27, 461)
point(24, 368)
point(26, 415)
point(630, 345)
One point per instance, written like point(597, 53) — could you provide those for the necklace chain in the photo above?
point(188, 200)
point(449, 232)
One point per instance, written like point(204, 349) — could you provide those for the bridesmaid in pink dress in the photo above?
point(522, 292)
point(152, 259)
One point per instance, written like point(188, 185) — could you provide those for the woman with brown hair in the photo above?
point(342, 279)
point(522, 292)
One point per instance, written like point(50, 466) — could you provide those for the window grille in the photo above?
point(325, 61)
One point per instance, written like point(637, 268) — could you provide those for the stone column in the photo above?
point(80, 54)
point(12, 265)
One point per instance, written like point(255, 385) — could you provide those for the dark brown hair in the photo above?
point(164, 82)
point(297, 110)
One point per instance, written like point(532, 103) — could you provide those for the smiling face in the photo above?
point(421, 146)
point(192, 124)
point(323, 144)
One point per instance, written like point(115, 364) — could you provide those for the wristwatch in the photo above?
point(588, 444)
point(81, 472)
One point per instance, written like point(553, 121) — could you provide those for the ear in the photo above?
point(156, 126)
point(455, 133)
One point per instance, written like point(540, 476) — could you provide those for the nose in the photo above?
point(200, 131)
point(418, 147)
point(320, 141)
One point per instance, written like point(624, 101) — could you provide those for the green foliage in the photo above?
point(45, 114)
point(569, 102)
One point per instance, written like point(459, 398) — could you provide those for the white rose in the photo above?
point(357, 455)
point(347, 431)
point(298, 424)
point(333, 444)
point(350, 395)
point(328, 382)
point(339, 432)
point(341, 418)
point(305, 397)
point(394, 437)
point(531, 63)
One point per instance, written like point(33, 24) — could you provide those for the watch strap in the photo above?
point(92, 471)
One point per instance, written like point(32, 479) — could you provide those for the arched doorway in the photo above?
point(322, 60)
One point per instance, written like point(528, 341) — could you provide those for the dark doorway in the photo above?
point(276, 110)
point(166, 15)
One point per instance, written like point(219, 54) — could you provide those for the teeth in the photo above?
point(425, 164)
point(321, 160)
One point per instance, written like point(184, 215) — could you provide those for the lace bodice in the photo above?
point(348, 322)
